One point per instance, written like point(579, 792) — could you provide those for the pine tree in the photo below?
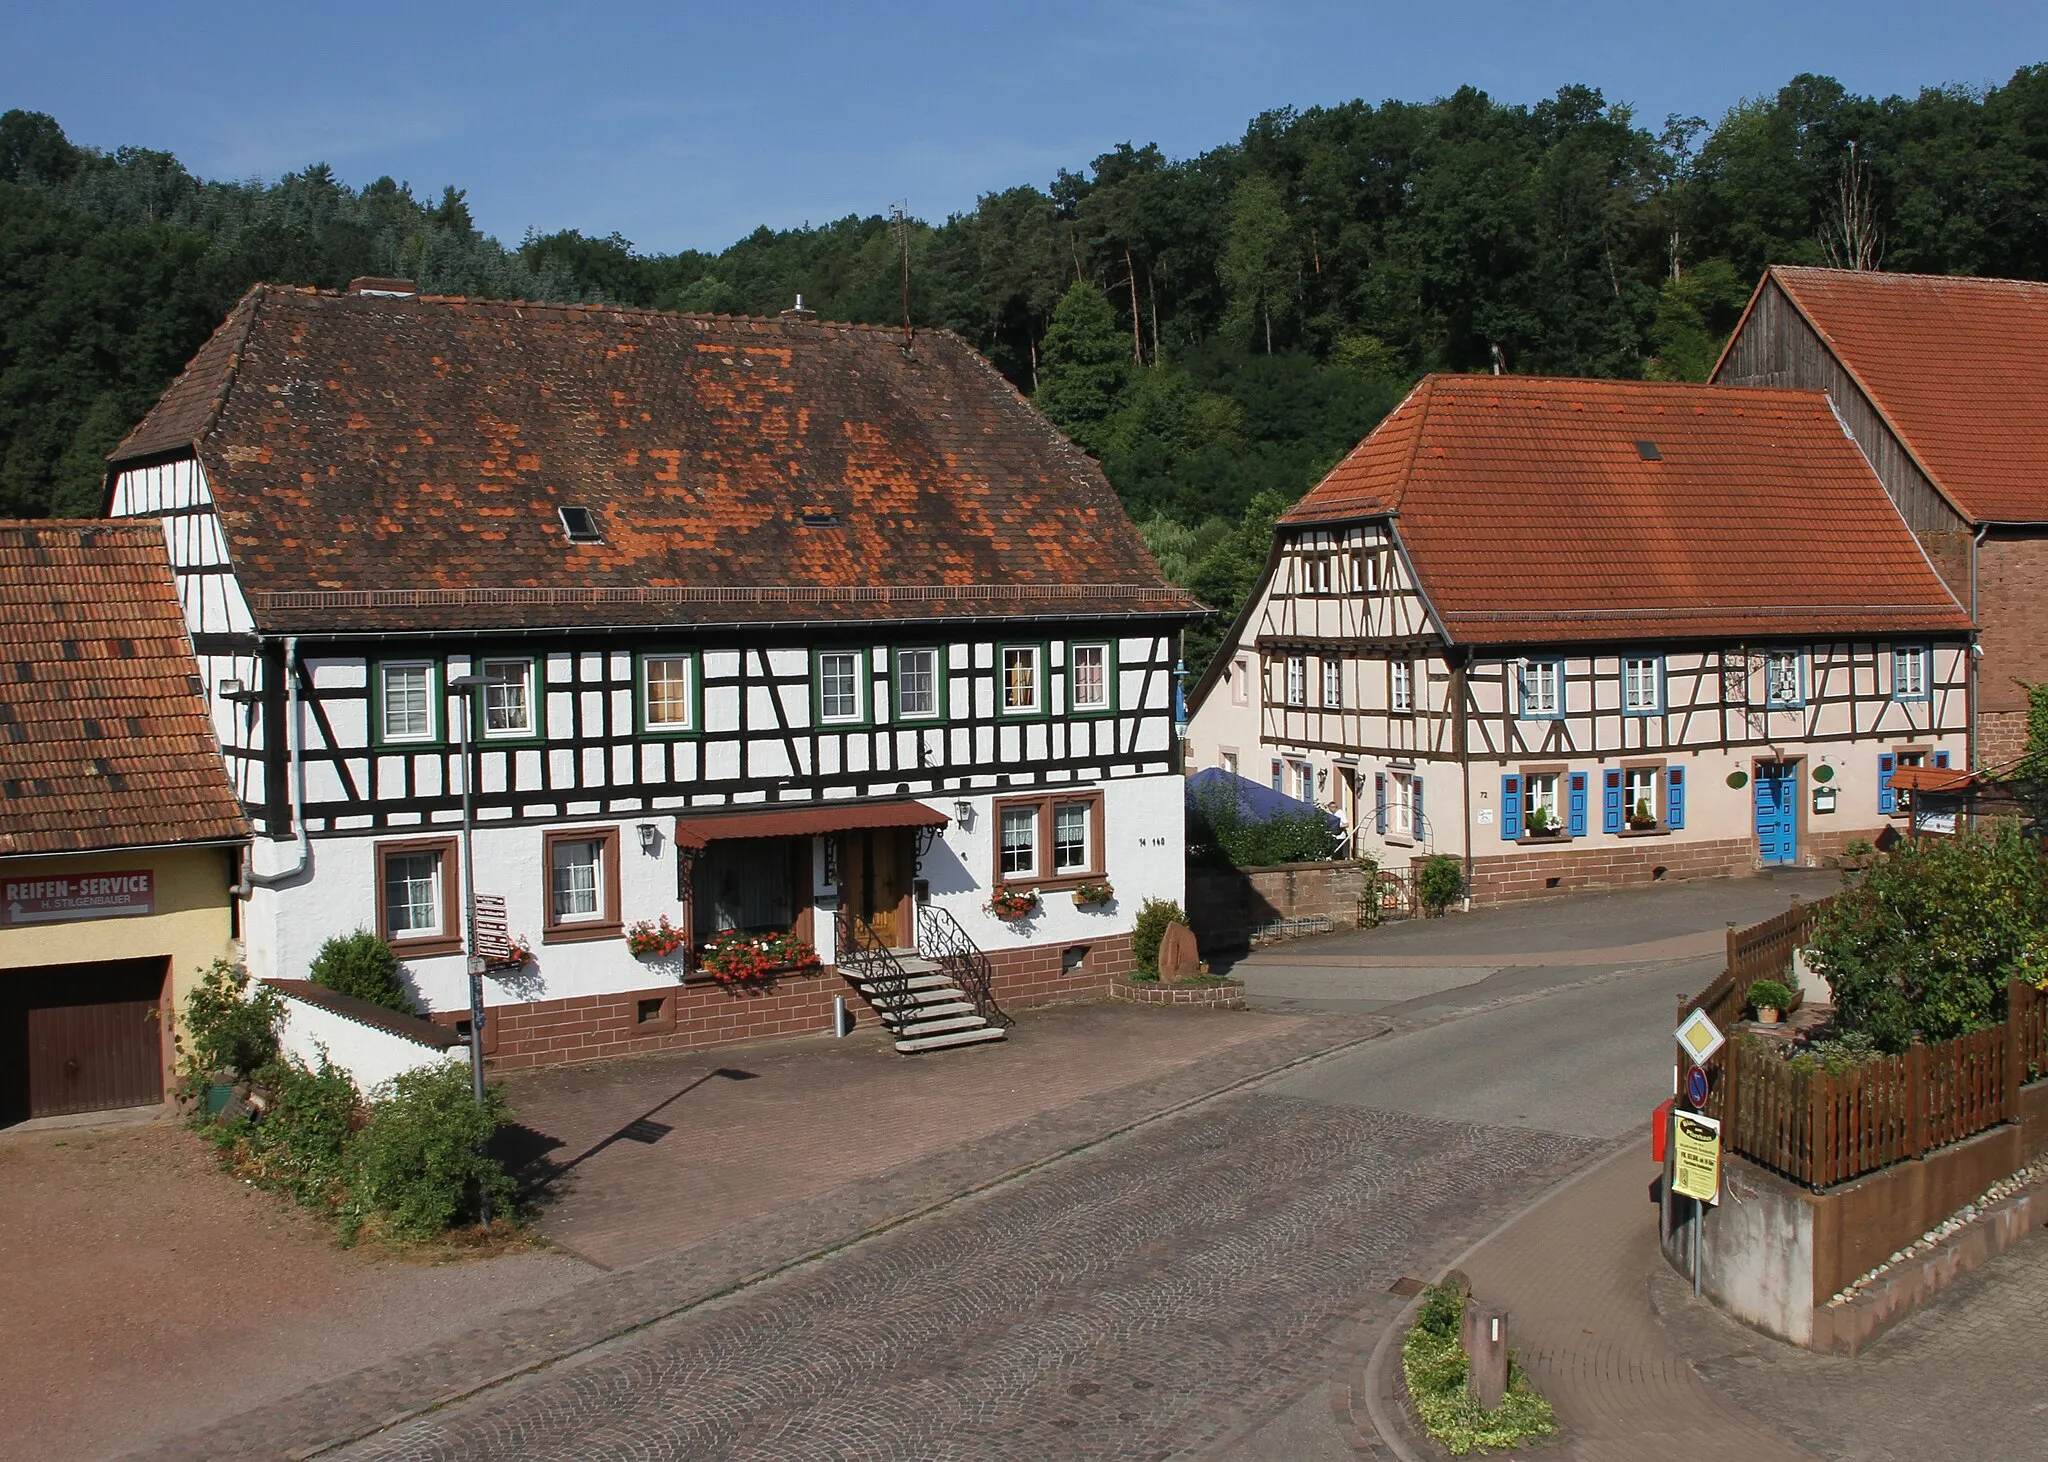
point(1082, 365)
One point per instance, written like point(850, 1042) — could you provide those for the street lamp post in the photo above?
point(465, 686)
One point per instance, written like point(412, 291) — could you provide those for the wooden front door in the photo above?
point(874, 880)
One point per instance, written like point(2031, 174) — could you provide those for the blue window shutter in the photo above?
point(1610, 803)
point(1379, 797)
point(1674, 797)
point(1941, 759)
point(1276, 776)
point(1511, 808)
point(1421, 828)
point(1887, 799)
point(1578, 804)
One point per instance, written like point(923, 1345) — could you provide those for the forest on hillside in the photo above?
point(1218, 329)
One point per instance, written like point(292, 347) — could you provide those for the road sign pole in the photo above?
point(1699, 1219)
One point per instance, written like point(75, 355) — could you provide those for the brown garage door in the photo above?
point(93, 1036)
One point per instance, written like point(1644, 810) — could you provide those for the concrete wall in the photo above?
point(370, 1056)
point(1225, 904)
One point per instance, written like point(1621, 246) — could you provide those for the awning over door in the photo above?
point(698, 829)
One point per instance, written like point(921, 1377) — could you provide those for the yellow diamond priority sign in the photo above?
point(1700, 1037)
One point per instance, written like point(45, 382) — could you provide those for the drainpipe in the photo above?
point(1976, 649)
point(251, 879)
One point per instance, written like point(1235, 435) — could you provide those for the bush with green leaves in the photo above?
point(1149, 932)
point(1223, 833)
point(1435, 1367)
point(362, 965)
point(1769, 994)
point(1921, 946)
point(418, 1166)
point(1440, 882)
point(228, 1031)
point(299, 1144)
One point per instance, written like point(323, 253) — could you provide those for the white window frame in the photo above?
point(1401, 686)
point(1333, 683)
point(1642, 685)
point(1772, 700)
point(1401, 806)
point(858, 714)
point(937, 688)
point(1539, 789)
point(1297, 680)
point(1240, 675)
point(1922, 659)
point(1107, 701)
point(1541, 690)
point(385, 735)
point(1061, 869)
point(1023, 815)
point(437, 900)
point(529, 693)
point(1004, 704)
point(689, 720)
point(596, 913)
point(1631, 779)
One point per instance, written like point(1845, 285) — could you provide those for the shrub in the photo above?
point(1221, 833)
point(1435, 1367)
point(1773, 993)
point(1440, 882)
point(362, 965)
point(298, 1145)
point(418, 1165)
point(1923, 944)
point(227, 1030)
point(1149, 932)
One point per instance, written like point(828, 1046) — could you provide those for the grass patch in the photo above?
point(1434, 1365)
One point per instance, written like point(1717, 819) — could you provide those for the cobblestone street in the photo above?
point(1146, 1298)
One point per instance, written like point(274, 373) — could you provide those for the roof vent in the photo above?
point(391, 289)
point(581, 525)
point(1648, 452)
point(815, 517)
point(798, 312)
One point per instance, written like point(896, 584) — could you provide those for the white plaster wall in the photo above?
point(370, 1056)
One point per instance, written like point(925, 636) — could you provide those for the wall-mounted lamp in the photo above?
point(963, 813)
point(650, 839)
point(233, 690)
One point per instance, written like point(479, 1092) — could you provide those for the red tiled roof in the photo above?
point(1530, 513)
point(386, 463)
point(696, 830)
point(105, 740)
point(1957, 366)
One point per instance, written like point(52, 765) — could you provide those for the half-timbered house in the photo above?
point(1944, 384)
point(767, 626)
point(1584, 632)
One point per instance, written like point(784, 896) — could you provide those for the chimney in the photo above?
point(391, 289)
point(798, 312)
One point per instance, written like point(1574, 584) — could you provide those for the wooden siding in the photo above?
point(1777, 347)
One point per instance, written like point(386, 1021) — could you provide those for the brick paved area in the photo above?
point(713, 1138)
point(1150, 1296)
point(1961, 1378)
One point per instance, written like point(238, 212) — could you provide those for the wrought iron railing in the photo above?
point(941, 940)
point(867, 956)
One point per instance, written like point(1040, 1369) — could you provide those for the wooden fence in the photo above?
point(1762, 951)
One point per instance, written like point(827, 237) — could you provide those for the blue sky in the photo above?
point(685, 125)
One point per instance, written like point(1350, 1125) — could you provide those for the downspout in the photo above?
point(1460, 735)
point(1976, 650)
point(295, 753)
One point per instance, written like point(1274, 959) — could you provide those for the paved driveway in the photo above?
point(1422, 968)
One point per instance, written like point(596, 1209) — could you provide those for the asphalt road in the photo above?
point(1195, 1286)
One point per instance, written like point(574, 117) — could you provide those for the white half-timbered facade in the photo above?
point(754, 647)
point(1569, 633)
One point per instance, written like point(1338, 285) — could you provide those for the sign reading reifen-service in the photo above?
point(55, 900)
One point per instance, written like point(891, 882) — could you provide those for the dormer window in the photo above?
point(581, 525)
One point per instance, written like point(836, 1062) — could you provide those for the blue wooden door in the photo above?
point(1777, 813)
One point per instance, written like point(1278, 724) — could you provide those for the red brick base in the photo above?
point(2001, 737)
point(1548, 872)
point(700, 1014)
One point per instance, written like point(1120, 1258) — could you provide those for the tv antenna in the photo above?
point(901, 223)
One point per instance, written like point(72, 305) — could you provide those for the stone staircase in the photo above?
point(925, 1010)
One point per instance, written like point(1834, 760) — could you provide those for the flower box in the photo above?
point(1090, 894)
point(1012, 903)
point(656, 939)
point(734, 958)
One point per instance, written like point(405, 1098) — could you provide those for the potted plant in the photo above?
point(1012, 903)
point(1641, 818)
point(654, 938)
point(736, 958)
point(1089, 894)
point(1769, 998)
point(1543, 823)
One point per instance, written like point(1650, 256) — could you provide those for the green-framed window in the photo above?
point(669, 693)
point(1091, 677)
point(508, 703)
point(839, 688)
point(1023, 685)
point(918, 681)
point(407, 703)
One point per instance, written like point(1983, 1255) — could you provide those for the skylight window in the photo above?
point(1648, 452)
point(816, 517)
point(581, 525)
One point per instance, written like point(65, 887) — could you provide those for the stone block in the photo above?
point(1179, 959)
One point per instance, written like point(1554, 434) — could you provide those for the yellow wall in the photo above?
point(190, 924)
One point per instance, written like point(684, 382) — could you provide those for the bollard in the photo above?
point(1484, 1336)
